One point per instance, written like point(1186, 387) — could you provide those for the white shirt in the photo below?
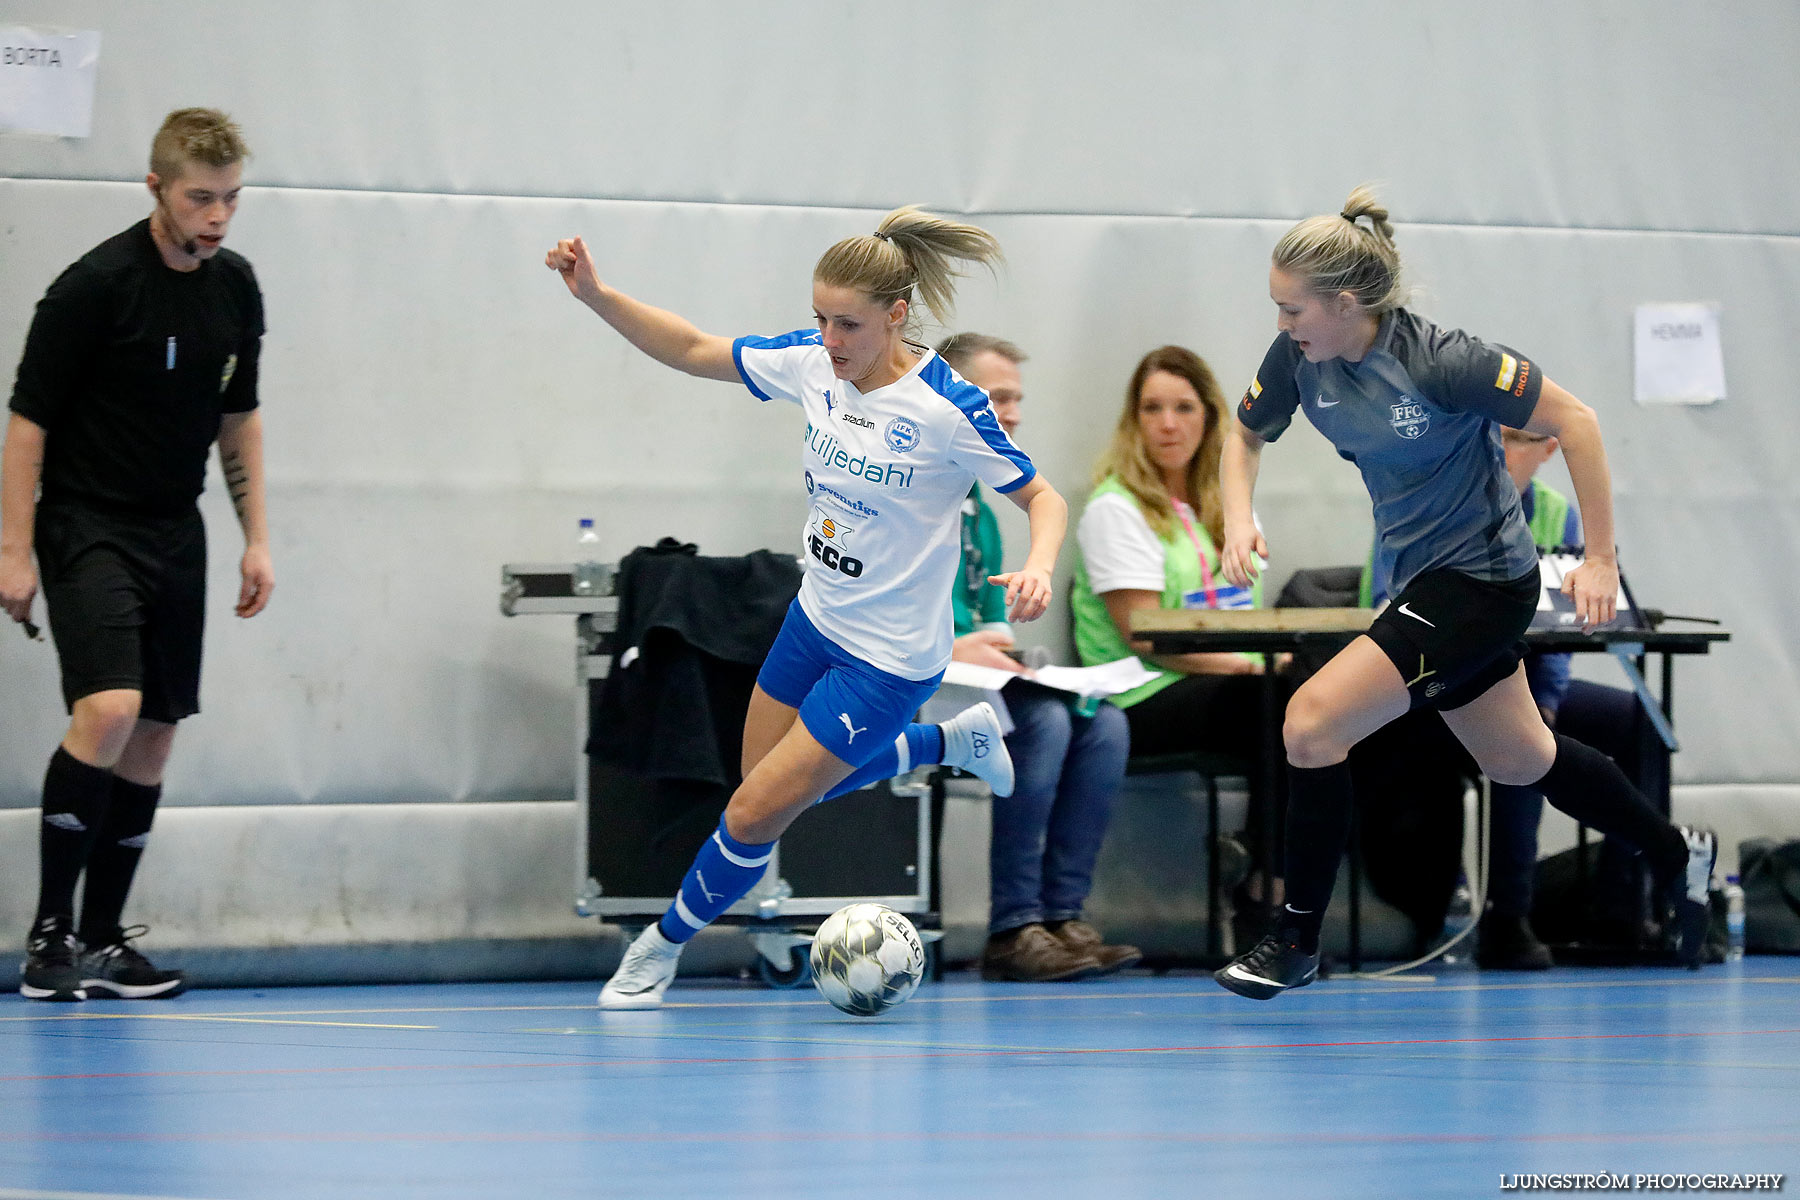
point(1121, 551)
point(887, 473)
point(1118, 547)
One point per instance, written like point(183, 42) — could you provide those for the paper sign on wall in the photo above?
point(1679, 356)
point(47, 80)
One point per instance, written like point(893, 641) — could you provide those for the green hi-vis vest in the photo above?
point(1549, 515)
point(1549, 518)
point(1098, 640)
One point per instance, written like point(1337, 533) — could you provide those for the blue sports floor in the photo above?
point(1138, 1086)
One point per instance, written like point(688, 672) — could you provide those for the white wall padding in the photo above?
point(436, 405)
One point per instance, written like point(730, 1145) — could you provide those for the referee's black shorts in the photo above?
point(127, 600)
point(1452, 636)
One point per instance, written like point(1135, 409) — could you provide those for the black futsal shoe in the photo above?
point(115, 968)
point(1690, 894)
point(50, 971)
point(1274, 965)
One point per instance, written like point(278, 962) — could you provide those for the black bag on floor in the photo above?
point(1769, 872)
point(1602, 903)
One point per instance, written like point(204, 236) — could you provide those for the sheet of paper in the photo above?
point(1679, 357)
point(988, 679)
point(1108, 679)
point(47, 80)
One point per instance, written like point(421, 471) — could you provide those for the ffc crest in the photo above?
point(1410, 419)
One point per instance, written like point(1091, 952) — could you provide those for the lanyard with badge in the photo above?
point(1209, 595)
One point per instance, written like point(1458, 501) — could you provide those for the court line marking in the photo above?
point(90, 1015)
point(234, 1020)
point(954, 1052)
point(1783, 1136)
point(20, 1194)
point(1340, 988)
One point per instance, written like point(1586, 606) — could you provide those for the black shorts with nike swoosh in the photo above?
point(1452, 636)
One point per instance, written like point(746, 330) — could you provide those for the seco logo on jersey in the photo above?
point(1410, 420)
point(826, 540)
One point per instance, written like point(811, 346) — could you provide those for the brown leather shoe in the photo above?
point(1083, 938)
point(1030, 954)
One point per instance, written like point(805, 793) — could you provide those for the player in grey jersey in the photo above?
point(1418, 409)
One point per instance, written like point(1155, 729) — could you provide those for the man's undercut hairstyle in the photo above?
point(960, 349)
point(202, 135)
point(910, 249)
point(1347, 251)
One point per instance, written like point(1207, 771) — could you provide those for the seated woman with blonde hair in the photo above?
point(1149, 538)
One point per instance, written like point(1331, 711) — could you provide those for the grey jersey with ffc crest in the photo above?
point(1420, 418)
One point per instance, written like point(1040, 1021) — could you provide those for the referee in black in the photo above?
point(141, 355)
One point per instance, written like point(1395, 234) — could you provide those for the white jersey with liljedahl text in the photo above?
point(1420, 416)
point(886, 474)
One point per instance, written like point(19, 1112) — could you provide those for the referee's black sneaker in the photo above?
point(1690, 894)
point(50, 970)
point(115, 968)
point(1272, 966)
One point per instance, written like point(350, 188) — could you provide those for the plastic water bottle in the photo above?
point(1734, 919)
point(588, 573)
point(1460, 916)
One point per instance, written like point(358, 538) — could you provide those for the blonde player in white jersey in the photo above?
point(894, 441)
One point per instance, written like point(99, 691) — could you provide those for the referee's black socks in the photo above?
point(76, 799)
point(114, 859)
point(1590, 787)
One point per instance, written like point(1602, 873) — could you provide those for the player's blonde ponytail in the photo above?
point(910, 249)
point(1349, 251)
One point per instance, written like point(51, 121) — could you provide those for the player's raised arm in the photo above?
point(1028, 589)
point(1594, 584)
point(1238, 466)
point(669, 339)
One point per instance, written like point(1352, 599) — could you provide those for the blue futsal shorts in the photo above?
point(850, 707)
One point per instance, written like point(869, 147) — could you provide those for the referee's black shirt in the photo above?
point(128, 367)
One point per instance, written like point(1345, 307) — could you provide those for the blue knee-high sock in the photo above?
point(723, 873)
point(917, 746)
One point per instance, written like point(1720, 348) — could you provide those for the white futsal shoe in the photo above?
point(1692, 910)
point(974, 742)
point(644, 973)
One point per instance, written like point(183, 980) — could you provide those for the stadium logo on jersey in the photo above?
point(227, 373)
point(851, 418)
point(1410, 419)
point(831, 452)
point(902, 435)
point(825, 541)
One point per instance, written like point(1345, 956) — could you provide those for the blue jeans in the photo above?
point(1047, 834)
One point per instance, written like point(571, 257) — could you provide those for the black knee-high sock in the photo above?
point(114, 859)
point(1590, 787)
point(76, 797)
point(1320, 801)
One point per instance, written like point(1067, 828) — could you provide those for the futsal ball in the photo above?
point(867, 958)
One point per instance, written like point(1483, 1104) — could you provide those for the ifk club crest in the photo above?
point(902, 435)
